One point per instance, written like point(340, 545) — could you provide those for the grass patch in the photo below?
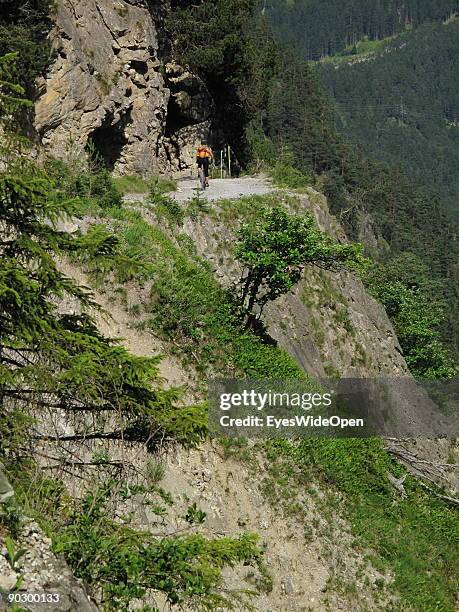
point(416, 538)
point(131, 184)
point(137, 184)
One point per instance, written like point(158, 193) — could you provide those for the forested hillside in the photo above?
point(400, 104)
point(317, 28)
point(407, 203)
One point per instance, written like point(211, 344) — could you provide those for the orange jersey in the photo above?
point(204, 151)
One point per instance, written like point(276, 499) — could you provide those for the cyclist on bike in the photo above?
point(203, 156)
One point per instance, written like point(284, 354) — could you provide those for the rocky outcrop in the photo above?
point(108, 84)
point(105, 85)
point(332, 327)
point(40, 580)
point(189, 116)
point(329, 323)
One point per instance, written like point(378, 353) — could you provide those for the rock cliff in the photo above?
point(110, 85)
point(329, 323)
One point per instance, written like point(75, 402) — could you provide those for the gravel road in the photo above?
point(220, 189)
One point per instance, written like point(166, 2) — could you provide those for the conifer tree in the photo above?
point(52, 360)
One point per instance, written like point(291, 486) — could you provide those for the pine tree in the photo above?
point(53, 361)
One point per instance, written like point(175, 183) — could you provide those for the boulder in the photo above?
point(6, 490)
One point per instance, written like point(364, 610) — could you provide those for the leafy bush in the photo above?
point(276, 247)
point(87, 183)
point(197, 205)
point(263, 151)
point(414, 304)
point(165, 206)
point(287, 176)
point(11, 518)
point(120, 564)
point(98, 185)
point(169, 209)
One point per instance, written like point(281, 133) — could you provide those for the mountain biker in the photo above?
point(203, 156)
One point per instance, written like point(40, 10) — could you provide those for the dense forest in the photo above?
point(401, 105)
point(317, 28)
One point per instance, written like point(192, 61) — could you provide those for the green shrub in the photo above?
point(11, 518)
point(197, 205)
point(138, 184)
point(160, 185)
point(88, 182)
point(105, 190)
point(99, 186)
point(120, 564)
point(417, 309)
point(287, 176)
point(165, 207)
point(276, 247)
point(169, 209)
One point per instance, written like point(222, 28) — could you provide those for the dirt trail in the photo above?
point(220, 189)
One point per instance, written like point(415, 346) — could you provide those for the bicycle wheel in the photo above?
point(202, 178)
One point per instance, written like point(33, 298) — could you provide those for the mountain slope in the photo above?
point(317, 28)
point(400, 104)
point(116, 463)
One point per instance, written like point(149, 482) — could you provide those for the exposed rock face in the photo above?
point(108, 85)
point(351, 332)
point(329, 323)
point(105, 85)
point(189, 116)
point(42, 573)
point(333, 328)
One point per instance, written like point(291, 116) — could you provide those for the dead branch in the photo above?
point(398, 483)
point(447, 498)
point(419, 467)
